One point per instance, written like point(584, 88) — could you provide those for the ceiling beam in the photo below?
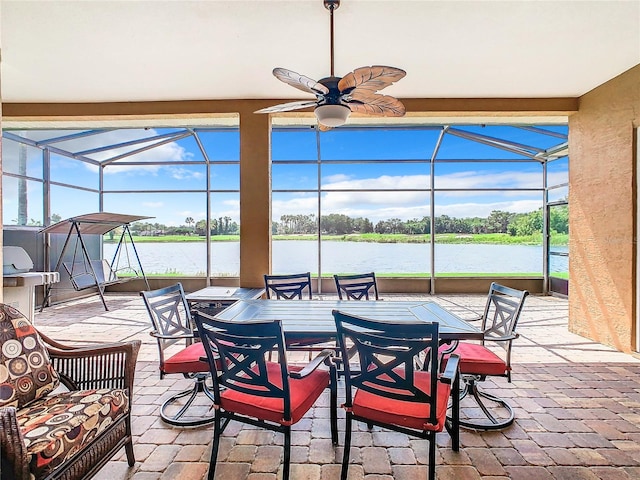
point(118, 110)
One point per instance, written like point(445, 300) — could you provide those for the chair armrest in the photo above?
point(109, 365)
point(185, 336)
point(505, 338)
point(324, 356)
point(451, 371)
point(50, 342)
point(12, 447)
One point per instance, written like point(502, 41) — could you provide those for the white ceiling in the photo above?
point(95, 51)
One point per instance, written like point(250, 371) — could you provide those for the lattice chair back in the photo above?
point(244, 354)
point(170, 316)
point(356, 287)
point(288, 287)
point(500, 318)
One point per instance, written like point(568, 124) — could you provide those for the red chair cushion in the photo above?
point(477, 359)
point(304, 392)
point(187, 360)
point(406, 414)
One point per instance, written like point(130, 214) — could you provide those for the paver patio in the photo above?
point(577, 411)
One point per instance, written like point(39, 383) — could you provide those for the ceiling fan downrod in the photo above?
point(331, 5)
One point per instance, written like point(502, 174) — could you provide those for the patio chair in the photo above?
point(251, 389)
point(478, 361)
point(356, 287)
point(65, 411)
point(293, 287)
point(179, 352)
point(387, 390)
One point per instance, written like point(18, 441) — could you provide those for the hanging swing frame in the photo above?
point(86, 272)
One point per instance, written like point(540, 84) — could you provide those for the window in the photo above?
point(373, 192)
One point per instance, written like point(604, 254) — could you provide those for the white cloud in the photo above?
point(392, 203)
point(337, 178)
point(168, 152)
point(184, 173)
point(384, 182)
point(464, 210)
point(153, 204)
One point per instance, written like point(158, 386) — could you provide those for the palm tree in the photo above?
point(189, 221)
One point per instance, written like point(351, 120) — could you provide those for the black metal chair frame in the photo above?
point(288, 287)
point(386, 351)
point(356, 287)
point(293, 287)
point(238, 357)
point(499, 321)
point(172, 323)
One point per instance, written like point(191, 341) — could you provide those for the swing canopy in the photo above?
point(86, 272)
point(93, 223)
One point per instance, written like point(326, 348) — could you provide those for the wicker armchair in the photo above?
point(47, 433)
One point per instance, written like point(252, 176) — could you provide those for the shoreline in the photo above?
point(441, 238)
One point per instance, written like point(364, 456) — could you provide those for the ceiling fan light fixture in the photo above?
point(332, 115)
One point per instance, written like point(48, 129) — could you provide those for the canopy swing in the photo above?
point(85, 272)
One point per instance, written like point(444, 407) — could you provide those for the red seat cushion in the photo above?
point(479, 360)
point(304, 393)
point(406, 414)
point(187, 360)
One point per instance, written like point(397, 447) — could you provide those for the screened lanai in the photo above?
point(412, 201)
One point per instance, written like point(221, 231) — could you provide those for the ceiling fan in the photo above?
point(337, 97)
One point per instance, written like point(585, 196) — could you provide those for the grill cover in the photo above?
point(15, 260)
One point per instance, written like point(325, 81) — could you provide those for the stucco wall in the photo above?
point(602, 212)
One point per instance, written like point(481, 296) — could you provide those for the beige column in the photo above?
point(255, 198)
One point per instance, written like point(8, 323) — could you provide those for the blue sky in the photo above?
point(396, 188)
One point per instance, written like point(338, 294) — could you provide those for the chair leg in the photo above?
point(494, 423)
point(287, 454)
point(453, 426)
point(347, 447)
point(432, 456)
point(176, 418)
point(333, 388)
point(217, 433)
point(128, 447)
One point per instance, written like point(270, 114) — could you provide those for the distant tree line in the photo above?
point(219, 226)
point(498, 221)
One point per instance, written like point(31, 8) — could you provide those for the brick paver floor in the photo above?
point(577, 409)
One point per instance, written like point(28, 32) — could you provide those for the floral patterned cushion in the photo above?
point(26, 373)
point(59, 426)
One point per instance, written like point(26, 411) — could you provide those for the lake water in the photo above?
point(344, 257)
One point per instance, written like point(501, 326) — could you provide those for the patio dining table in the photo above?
point(305, 318)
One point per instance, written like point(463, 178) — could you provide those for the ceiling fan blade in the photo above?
point(374, 104)
point(371, 79)
point(300, 82)
point(285, 107)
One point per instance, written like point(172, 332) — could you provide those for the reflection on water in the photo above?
point(343, 257)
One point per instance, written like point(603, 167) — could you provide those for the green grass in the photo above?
point(176, 239)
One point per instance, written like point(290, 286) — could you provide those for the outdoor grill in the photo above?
point(20, 283)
